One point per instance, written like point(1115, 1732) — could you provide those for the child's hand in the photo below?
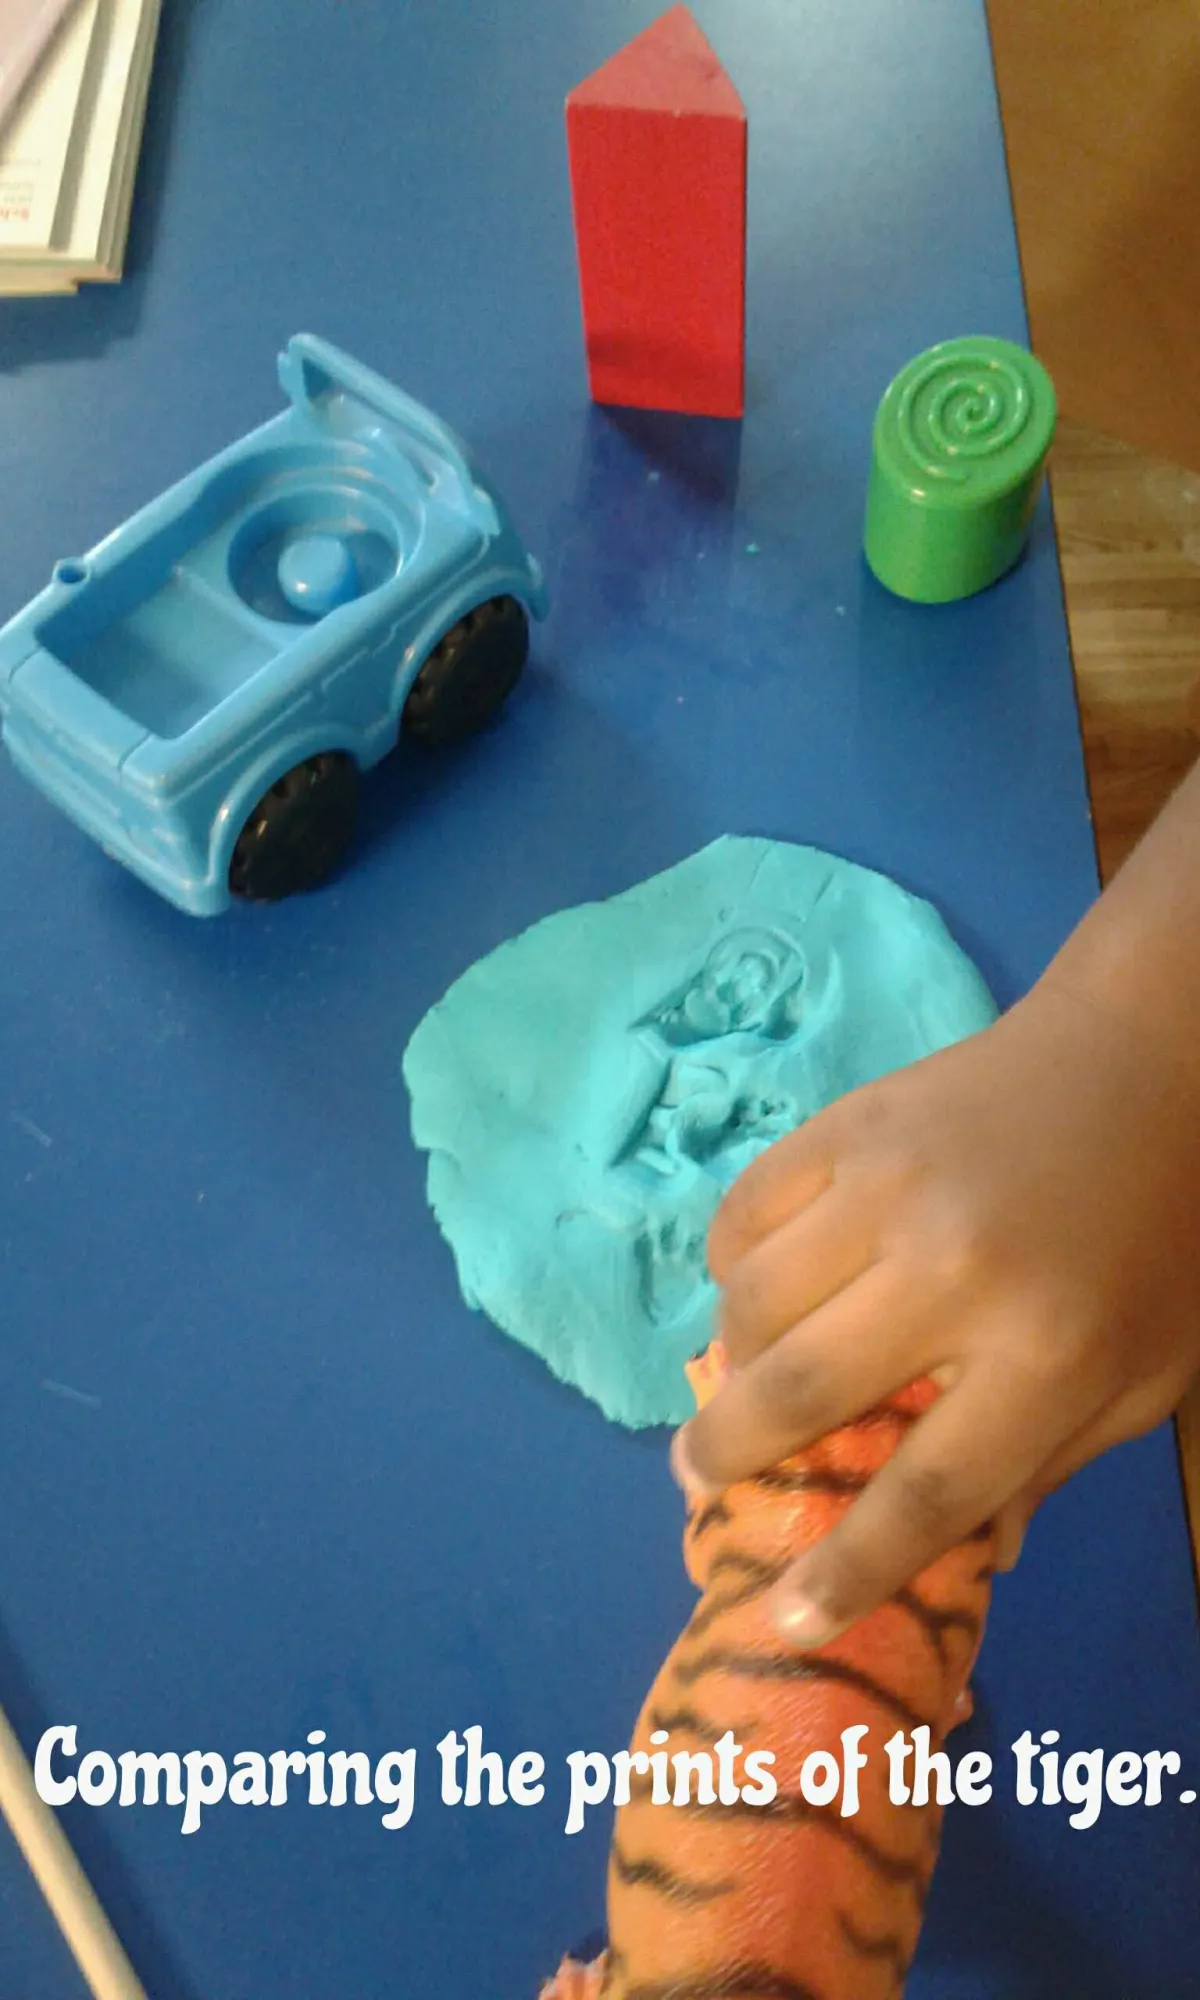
point(1017, 1216)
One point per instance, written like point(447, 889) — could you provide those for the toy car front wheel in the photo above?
point(469, 673)
point(298, 832)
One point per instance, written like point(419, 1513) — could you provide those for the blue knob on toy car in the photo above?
point(317, 573)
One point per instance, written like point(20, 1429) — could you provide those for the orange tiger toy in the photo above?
point(788, 1900)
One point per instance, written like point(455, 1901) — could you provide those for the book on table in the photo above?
point(69, 147)
point(27, 27)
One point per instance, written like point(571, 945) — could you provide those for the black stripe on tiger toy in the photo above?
point(887, 1949)
point(648, 1873)
point(799, 1667)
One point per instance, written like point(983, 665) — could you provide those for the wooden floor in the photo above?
point(1129, 532)
point(1099, 101)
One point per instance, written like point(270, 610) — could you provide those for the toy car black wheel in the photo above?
point(469, 673)
point(298, 832)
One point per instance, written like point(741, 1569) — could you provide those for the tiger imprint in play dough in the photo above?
point(588, 1091)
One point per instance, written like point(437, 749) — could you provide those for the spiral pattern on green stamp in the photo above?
point(954, 412)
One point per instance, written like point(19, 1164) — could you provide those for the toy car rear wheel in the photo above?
point(299, 831)
point(469, 673)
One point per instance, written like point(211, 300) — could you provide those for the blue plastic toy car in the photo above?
point(201, 692)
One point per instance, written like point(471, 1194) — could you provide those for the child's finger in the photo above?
point(1012, 1525)
point(789, 1175)
point(840, 1361)
point(941, 1486)
point(1130, 1415)
point(803, 1264)
point(1140, 1410)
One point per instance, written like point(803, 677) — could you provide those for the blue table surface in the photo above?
point(261, 1471)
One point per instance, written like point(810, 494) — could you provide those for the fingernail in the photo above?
point(800, 1620)
point(684, 1472)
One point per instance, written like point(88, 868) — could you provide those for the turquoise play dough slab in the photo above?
point(588, 1091)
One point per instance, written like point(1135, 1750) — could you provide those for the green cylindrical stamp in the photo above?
point(958, 453)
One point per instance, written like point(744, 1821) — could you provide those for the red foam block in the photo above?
point(657, 141)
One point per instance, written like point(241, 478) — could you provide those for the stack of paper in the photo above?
point(69, 149)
